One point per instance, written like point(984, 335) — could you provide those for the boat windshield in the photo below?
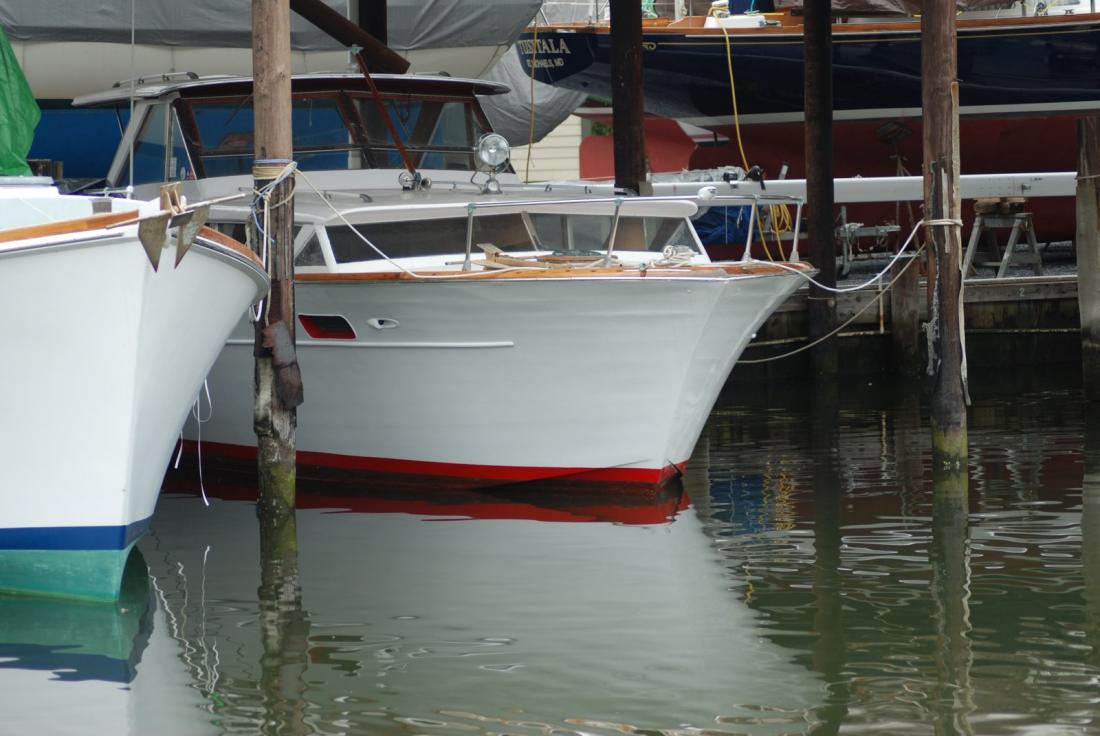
point(338, 130)
point(553, 232)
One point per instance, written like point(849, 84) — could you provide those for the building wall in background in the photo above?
point(555, 158)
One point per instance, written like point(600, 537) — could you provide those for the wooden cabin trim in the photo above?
point(701, 271)
point(223, 240)
point(65, 227)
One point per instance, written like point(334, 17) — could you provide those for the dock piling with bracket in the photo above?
point(1088, 251)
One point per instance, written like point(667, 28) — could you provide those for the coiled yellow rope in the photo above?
point(780, 214)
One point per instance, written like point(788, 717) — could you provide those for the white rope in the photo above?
point(196, 411)
point(263, 194)
point(874, 300)
point(847, 289)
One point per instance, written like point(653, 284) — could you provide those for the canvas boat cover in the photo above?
point(413, 24)
point(510, 113)
point(18, 114)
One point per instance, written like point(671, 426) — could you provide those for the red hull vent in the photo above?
point(326, 327)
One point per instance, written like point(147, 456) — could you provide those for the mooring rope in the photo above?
point(874, 300)
point(865, 284)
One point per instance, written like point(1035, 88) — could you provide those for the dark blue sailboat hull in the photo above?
point(1036, 66)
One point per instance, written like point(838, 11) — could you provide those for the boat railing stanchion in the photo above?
point(747, 255)
point(794, 233)
point(470, 207)
point(613, 233)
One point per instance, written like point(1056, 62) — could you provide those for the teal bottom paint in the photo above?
point(94, 575)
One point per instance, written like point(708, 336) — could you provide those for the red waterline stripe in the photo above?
point(648, 476)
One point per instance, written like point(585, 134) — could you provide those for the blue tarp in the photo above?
point(722, 225)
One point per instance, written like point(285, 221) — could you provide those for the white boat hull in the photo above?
point(482, 382)
point(110, 355)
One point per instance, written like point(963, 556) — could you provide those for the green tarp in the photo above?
point(18, 114)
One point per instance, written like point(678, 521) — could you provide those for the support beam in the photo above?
point(943, 213)
point(1088, 251)
point(818, 93)
point(379, 56)
point(627, 96)
point(278, 384)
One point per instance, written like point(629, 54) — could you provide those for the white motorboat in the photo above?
point(112, 322)
point(586, 339)
point(567, 351)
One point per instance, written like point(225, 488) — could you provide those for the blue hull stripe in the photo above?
point(73, 537)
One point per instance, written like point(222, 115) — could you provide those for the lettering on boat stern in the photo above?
point(540, 53)
point(288, 377)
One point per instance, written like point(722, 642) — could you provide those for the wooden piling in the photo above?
point(1088, 251)
point(905, 316)
point(818, 44)
point(943, 213)
point(951, 699)
point(284, 630)
point(628, 97)
point(276, 395)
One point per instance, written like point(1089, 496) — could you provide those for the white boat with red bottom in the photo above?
point(500, 339)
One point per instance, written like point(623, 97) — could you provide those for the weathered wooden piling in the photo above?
point(951, 700)
point(905, 315)
point(818, 44)
point(628, 97)
point(943, 223)
point(1090, 533)
point(278, 385)
point(1088, 250)
point(284, 629)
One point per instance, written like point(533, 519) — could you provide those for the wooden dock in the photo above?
point(1009, 321)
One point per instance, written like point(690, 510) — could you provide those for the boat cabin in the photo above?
point(436, 233)
point(202, 128)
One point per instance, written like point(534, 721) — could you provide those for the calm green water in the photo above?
point(807, 577)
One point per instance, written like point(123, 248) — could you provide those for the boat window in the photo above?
point(149, 153)
point(330, 135)
point(427, 237)
point(311, 254)
point(224, 130)
point(590, 232)
point(179, 162)
point(437, 134)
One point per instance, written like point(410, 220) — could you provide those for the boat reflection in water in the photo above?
point(820, 581)
point(84, 667)
point(478, 611)
point(925, 603)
